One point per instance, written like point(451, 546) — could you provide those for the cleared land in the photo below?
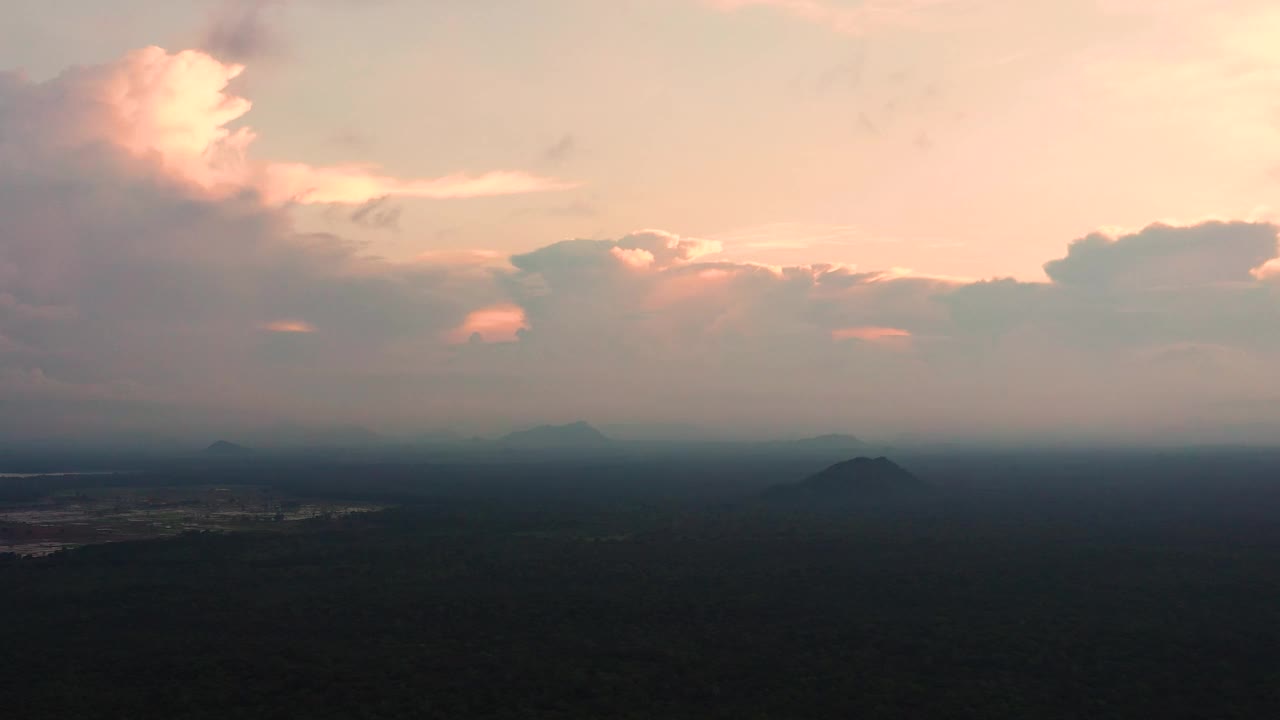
point(87, 517)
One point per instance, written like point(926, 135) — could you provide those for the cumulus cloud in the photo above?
point(498, 323)
point(1161, 255)
point(1135, 333)
point(149, 279)
point(1159, 286)
point(1270, 270)
point(646, 248)
point(289, 326)
point(172, 112)
point(648, 307)
point(134, 287)
point(1077, 354)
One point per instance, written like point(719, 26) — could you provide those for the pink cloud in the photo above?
point(634, 257)
point(302, 183)
point(173, 110)
point(135, 296)
point(660, 249)
point(869, 333)
point(1270, 270)
point(497, 323)
point(289, 326)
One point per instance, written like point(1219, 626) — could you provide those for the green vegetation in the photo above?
point(463, 608)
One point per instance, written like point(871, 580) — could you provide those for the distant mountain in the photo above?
point(861, 477)
point(225, 448)
point(579, 434)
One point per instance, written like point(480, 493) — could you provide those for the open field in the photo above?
point(86, 517)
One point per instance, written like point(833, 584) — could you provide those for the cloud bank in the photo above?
point(152, 281)
point(172, 113)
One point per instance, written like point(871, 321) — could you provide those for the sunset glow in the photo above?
point(176, 107)
point(660, 359)
point(870, 334)
point(496, 324)
point(877, 203)
point(289, 326)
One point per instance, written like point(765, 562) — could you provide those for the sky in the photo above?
point(978, 219)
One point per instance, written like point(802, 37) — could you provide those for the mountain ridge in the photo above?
point(573, 434)
point(226, 448)
point(861, 477)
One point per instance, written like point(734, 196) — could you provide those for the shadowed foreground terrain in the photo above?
point(1154, 597)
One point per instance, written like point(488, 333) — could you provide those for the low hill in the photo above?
point(820, 443)
point(579, 434)
point(225, 448)
point(861, 477)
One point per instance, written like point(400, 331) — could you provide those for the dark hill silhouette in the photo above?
point(861, 477)
point(225, 448)
point(573, 435)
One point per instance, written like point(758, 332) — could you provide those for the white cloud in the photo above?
point(173, 111)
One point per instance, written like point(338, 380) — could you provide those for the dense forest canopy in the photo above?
point(563, 590)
